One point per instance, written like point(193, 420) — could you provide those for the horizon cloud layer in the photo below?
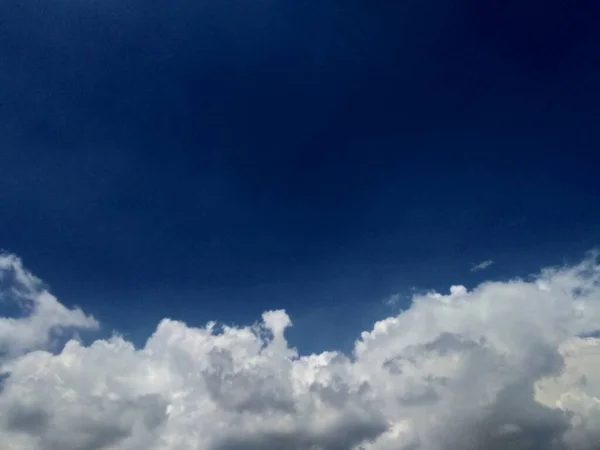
point(507, 365)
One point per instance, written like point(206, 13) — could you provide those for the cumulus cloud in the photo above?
point(504, 366)
point(482, 265)
point(44, 316)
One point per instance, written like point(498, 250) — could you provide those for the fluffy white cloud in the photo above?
point(45, 317)
point(506, 365)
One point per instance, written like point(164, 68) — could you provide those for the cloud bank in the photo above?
point(507, 365)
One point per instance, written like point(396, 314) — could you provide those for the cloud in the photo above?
point(45, 317)
point(505, 365)
point(482, 265)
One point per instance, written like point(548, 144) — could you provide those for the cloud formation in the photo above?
point(482, 265)
point(506, 365)
point(44, 317)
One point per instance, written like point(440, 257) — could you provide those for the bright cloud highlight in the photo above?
point(506, 365)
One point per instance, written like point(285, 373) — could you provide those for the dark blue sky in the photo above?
point(213, 159)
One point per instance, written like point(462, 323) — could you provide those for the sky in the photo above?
point(206, 159)
point(329, 162)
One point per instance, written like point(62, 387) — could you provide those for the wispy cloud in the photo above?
point(482, 265)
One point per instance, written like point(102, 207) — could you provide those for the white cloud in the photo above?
point(482, 265)
point(501, 366)
point(45, 316)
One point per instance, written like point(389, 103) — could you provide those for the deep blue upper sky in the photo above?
point(213, 159)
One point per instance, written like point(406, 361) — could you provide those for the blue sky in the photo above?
point(212, 160)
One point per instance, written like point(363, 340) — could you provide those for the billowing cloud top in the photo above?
point(506, 365)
